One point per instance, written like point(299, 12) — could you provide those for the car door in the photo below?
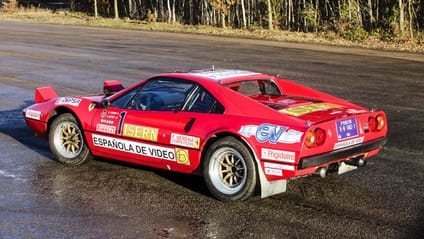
point(144, 124)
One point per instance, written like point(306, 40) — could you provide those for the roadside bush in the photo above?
point(8, 6)
point(354, 32)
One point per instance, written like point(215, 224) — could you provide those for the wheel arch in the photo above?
point(217, 136)
point(59, 111)
point(264, 187)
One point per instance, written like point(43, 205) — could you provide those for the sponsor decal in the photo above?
point(185, 140)
point(271, 133)
point(286, 102)
point(222, 74)
point(33, 114)
point(106, 121)
point(140, 132)
point(348, 143)
point(68, 101)
point(354, 111)
point(278, 155)
point(279, 166)
point(109, 129)
point(182, 156)
point(121, 120)
point(273, 171)
point(91, 107)
point(306, 109)
point(106, 114)
point(134, 147)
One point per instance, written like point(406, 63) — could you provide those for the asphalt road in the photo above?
point(40, 198)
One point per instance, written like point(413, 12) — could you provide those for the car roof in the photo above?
point(221, 76)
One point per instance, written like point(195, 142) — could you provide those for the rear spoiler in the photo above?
point(111, 87)
point(45, 93)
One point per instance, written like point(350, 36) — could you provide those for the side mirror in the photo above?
point(111, 87)
point(105, 103)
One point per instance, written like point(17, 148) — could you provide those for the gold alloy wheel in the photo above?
point(228, 170)
point(68, 140)
point(232, 170)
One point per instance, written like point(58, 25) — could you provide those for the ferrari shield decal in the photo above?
point(271, 133)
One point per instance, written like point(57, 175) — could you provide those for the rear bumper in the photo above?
point(340, 154)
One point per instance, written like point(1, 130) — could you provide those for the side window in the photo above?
point(256, 87)
point(203, 102)
point(159, 94)
point(268, 87)
point(123, 101)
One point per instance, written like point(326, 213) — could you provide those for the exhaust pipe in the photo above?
point(322, 172)
point(327, 170)
point(358, 162)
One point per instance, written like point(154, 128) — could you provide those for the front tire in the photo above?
point(229, 170)
point(67, 141)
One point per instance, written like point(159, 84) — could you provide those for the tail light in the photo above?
point(381, 122)
point(376, 123)
point(315, 137)
point(372, 124)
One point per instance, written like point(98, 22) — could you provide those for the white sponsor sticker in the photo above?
point(185, 140)
point(33, 114)
point(134, 147)
point(348, 143)
point(68, 101)
point(278, 155)
point(273, 171)
point(104, 128)
point(222, 74)
point(279, 166)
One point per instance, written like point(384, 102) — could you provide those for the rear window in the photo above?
point(255, 87)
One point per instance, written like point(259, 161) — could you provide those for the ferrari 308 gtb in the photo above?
point(246, 133)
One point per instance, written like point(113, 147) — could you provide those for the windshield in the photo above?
point(255, 87)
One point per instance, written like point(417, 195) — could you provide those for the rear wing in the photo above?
point(45, 93)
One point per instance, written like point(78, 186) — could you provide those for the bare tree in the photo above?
point(115, 7)
point(270, 18)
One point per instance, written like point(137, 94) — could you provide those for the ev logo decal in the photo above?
point(271, 133)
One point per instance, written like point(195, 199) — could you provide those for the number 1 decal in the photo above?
point(121, 122)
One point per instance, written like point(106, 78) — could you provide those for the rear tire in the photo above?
point(66, 140)
point(229, 170)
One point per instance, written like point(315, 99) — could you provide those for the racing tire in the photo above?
point(67, 142)
point(229, 170)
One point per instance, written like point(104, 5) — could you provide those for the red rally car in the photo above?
point(245, 132)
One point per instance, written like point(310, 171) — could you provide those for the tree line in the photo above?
point(352, 19)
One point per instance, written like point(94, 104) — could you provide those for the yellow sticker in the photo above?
point(91, 107)
point(182, 156)
point(141, 132)
point(306, 109)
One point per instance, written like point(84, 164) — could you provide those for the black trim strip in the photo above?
point(339, 154)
